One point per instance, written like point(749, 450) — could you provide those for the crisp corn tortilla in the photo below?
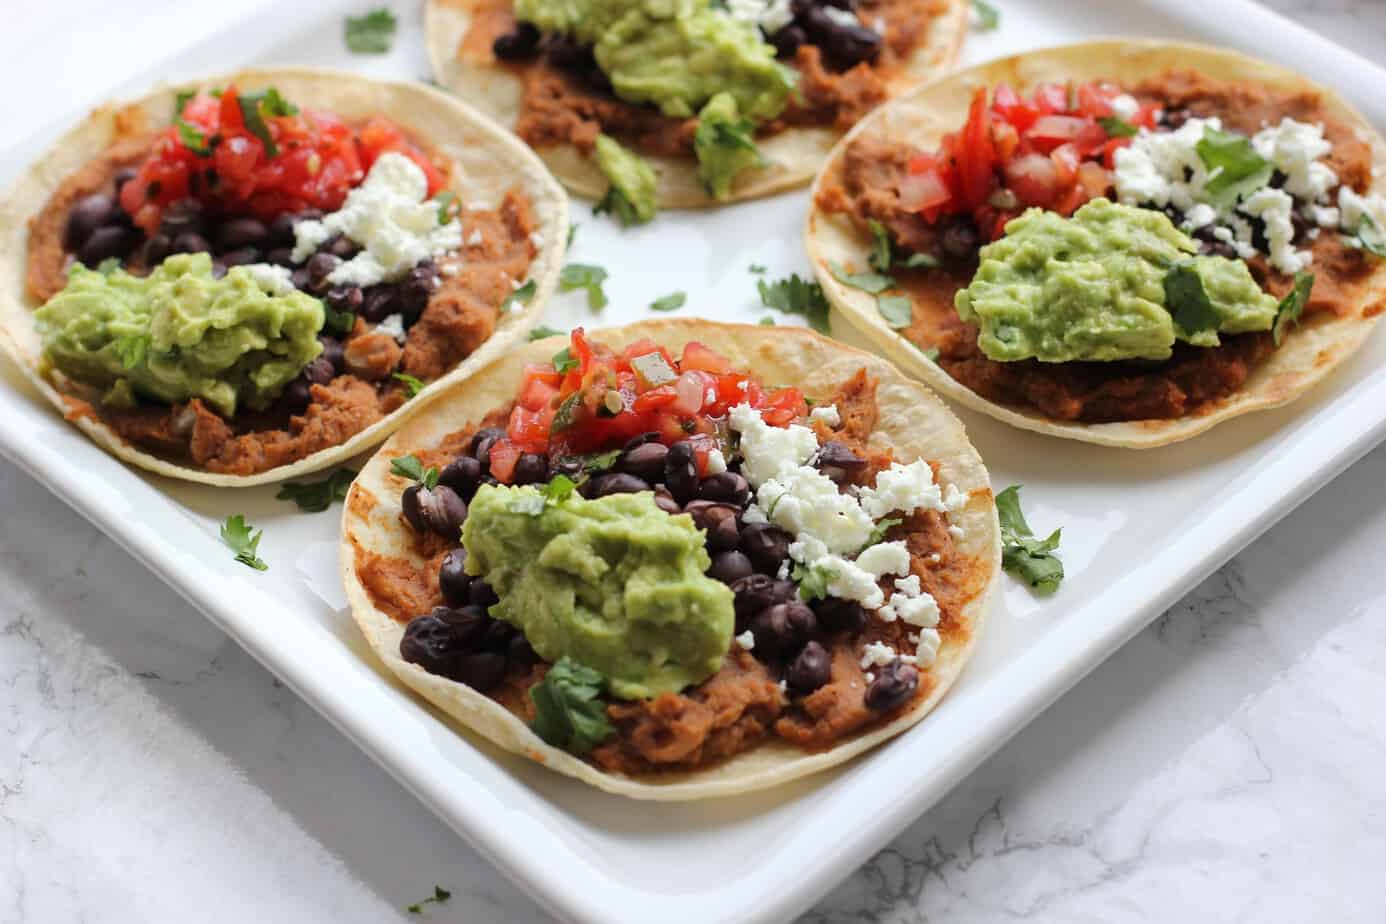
point(912, 421)
point(486, 160)
point(792, 157)
point(1308, 353)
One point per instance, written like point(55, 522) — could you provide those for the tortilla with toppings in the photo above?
point(830, 594)
point(1251, 163)
point(554, 99)
point(371, 243)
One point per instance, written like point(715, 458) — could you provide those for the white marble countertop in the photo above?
point(1226, 764)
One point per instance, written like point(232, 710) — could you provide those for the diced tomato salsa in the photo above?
point(260, 155)
point(1054, 150)
point(590, 399)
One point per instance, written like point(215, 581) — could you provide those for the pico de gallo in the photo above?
point(590, 399)
point(261, 155)
point(1054, 150)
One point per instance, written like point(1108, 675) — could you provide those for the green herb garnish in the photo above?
point(813, 581)
point(1292, 305)
point(757, 269)
point(439, 896)
point(1188, 301)
point(564, 361)
point(371, 34)
point(615, 203)
point(601, 461)
point(882, 255)
point(897, 310)
point(1117, 127)
point(1237, 170)
point(193, 138)
point(412, 385)
point(317, 496)
point(670, 302)
point(446, 200)
point(540, 332)
point(572, 233)
point(568, 712)
point(522, 295)
point(237, 536)
point(988, 16)
point(766, 321)
point(410, 467)
point(1370, 234)
point(795, 295)
point(337, 322)
point(576, 276)
point(567, 413)
point(931, 354)
point(1028, 558)
point(867, 282)
point(878, 532)
point(255, 107)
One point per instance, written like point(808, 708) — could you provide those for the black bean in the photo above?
point(344, 298)
point(431, 643)
point(241, 257)
point(190, 242)
point(379, 304)
point(649, 436)
point(463, 475)
point(960, 238)
point(727, 487)
point(342, 247)
point(1174, 119)
point(563, 52)
point(280, 231)
point(757, 592)
point(567, 466)
point(106, 242)
point(415, 290)
point(781, 629)
point(320, 371)
point(320, 266)
point(848, 5)
point(845, 45)
point(530, 468)
point(299, 278)
point(297, 396)
point(497, 635)
point(729, 567)
point(520, 651)
point(480, 671)
point(438, 510)
point(88, 214)
point(155, 249)
point(895, 683)
point(787, 40)
point(810, 669)
point(180, 216)
point(242, 232)
point(453, 579)
point(280, 256)
point(681, 472)
point(838, 615)
point(480, 446)
point(123, 176)
point(718, 521)
point(482, 594)
point(665, 501)
point(644, 461)
point(519, 43)
point(616, 483)
point(767, 546)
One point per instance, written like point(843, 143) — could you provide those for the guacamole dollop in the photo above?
point(675, 54)
point(632, 193)
point(179, 333)
point(1112, 282)
point(615, 584)
point(724, 145)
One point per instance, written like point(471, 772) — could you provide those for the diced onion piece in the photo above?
point(689, 388)
point(920, 191)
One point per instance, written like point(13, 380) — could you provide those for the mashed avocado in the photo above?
point(723, 144)
point(675, 54)
point(1112, 282)
point(632, 193)
point(615, 584)
point(178, 333)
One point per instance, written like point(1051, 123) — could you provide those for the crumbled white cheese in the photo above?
point(1295, 148)
point(905, 488)
point(828, 414)
point(746, 640)
point(1125, 106)
point(716, 462)
point(1275, 208)
point(956, 531)
point(1351, 208)
point(390, 217)
point(921, 610)
point(474, 238)
point(1201, 214)
point(804, 501)
point(536, 239)
point(885, 558)
point(770, 15)
point(877, 654)
point(770, 451)
point(392, 325)
point(843, 18)
point(926, 649)
point(276, 280)
point(909, 585)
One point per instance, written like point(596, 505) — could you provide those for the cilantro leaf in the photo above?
point(600, 462)
point(670, 302)
point(255, 106)
point(1117, 127)
point(766, 321)
point(522, 295)
point(615, 203)
point(371, 34)
point(181, 100)
point(572, 233)
point(931, 354)
point(237, 536)
point(1292, 305)
point(410, 467)
point(1188, 301)
point(337, 322)
point(1025, 556)
point(881, 253)
point(1237, 169)
point(1371, 235)
point(131, 349)
point(813, 581)
point(795, 295)
point(756, 268)
point(193, 137)
point(898, 310)
point(875, 283)
point(988, 16)
point(878, 532)
point(446, 200)
point(317, 496)
point(576, 276)
point(560, 488)
point(564, 361)
point(567, 413)
point(567, 711)
point(412, 385)
point(919, 261)
point(542, 331)
point(439, 896)
point(724, 147)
